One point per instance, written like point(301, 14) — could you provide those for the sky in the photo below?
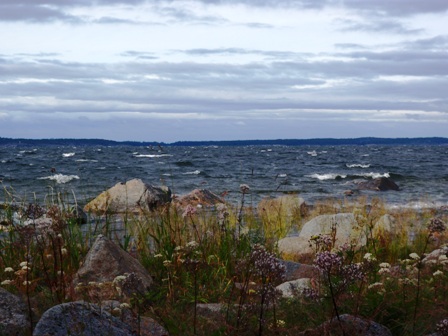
point(175, 70)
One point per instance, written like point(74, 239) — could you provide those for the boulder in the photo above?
point(104, 262)
point(199, 197)
point(133, 196)
point(386, 225)
point(140, 325)
point(14, 318)
point(378, 184)
point(294, 270)
point(293, 288)
point(347, 232)
point(80, 318)
point(351, 325)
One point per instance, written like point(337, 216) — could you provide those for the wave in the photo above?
point(86, 160)
point(68, 154)
point(196, 172)
point(329, 176)
point(357, 165)
point(374, 175)
point(151, 155)
point(312, 153)
point(60, 178)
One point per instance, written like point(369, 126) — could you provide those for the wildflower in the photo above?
point(116, 311)
point(119, 278)
point(26, 283)
point(437, 273)
point(280, 323)
point(125, 305)
point(9, 269)
point(369, 257)
point(326, 261)
point(383, 270)
point(192, 244)
point(178, 248)
point(63, 251)
point(436, 225)
point(189, 211)
point(244, 188)
point(23, 263)
point(6, 282)
point(414, 256)
point(375, 285)
point(166, 263)
point(25, 268)
point(384, 265)
point(158, 256)
point(442, 327)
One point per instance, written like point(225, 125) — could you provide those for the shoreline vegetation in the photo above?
point(216, 268)
point(283, 142)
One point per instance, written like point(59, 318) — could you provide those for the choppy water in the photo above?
point(314, 172)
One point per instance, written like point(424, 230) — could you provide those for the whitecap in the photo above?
point(86, 160)
point(282, 175)
point(60, 178)
point(196, 172)
point(312, 153)
point(68, 154)
point(151, 155)
point(357, 165)
point(329, 176)
point(376, 175)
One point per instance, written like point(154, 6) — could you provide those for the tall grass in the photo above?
point(228, 255)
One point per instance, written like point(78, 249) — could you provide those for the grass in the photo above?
point(229, 255)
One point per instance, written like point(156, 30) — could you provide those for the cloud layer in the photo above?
point(167, 71)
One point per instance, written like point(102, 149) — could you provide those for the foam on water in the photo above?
point(60, 178)
point(329, 176)
point(66, 155)
point(151, 155)
point(196, 172)
point(357, 165)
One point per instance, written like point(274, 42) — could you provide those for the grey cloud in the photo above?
point(33, 13)
point(378, 25)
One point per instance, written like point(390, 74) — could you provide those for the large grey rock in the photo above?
point(142, 325)
point(386, 225)
point(199, 197)
point(80, 318)
point(347, 228)
point(134, 196)
point(351, 325)
point(105, 261)
point(294, 270)
point(378, 184)
point(14, 318)
point(293, 288)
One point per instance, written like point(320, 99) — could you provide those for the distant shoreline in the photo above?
point(277, 142)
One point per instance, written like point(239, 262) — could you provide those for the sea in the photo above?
point(315, 173)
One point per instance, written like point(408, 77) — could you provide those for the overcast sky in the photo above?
point(223, 69)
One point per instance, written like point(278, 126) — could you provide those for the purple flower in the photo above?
point(328, 261)
point(189, 211)
point(436, 225)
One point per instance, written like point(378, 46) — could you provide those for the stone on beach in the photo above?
point(349, 325)
point(199, 197)
point(14, 318)
point(345, 224)
point(105, 261)
point(378, 184)
point(80, 318)
point(134, 196)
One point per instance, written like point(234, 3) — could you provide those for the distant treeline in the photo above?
point(282, 142)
